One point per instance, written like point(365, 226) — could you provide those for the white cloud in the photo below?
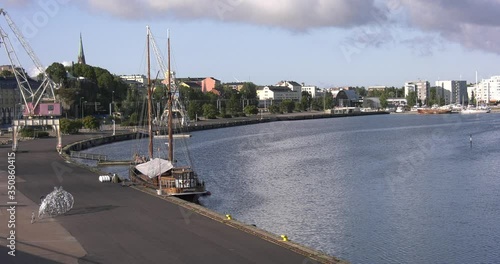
point(67, 63)
point(290, 14)
point(472, 23)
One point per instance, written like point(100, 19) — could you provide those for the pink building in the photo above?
point(207, 84)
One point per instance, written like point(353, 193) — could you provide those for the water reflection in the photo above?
point(383, 189)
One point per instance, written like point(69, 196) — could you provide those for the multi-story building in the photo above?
point(314, 91)
point(422, 89)
point(207, 84)
point(294, 86)
point(488, 91)
point(10, 99)
point(454, 92)
point(270, 94)
point(377, 88)
point(235, 85)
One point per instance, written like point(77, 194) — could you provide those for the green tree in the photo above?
point(6, 73)
point(383, 100)
point(57, 72)
point(305, 101)
point(411, 98)
point(209, 111)
point(317, 104)
point(194, 110)
point(328, 100)
point(298, 106)
point(233, 105)
point(249, 91)
point(133, 102)
point(84, 70)
point(361, 91)
point(133, 120)
point(287, 106)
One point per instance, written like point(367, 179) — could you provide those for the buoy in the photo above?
point(228, 217)
point(284, 237)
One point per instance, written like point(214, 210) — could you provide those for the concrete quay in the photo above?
point(114, 224)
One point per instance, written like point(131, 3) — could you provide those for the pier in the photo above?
point(115, 224)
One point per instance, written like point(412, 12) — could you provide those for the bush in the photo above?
point(274, 109)
point(70, 126)
point(90, 122)
point(251, 110)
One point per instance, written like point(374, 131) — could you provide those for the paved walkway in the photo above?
point(114, 224)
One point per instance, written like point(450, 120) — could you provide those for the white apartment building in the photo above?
point(314, 91)
point(277, 93)
point(422, 89)
point(454, 92)
point(488, 90)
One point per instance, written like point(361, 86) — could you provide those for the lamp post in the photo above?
point(112, 102)
point(81, 105)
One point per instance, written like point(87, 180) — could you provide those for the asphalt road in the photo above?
point(116, 224)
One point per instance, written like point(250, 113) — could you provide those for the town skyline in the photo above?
point(342, 43)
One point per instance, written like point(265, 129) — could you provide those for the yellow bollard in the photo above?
point(284, 237)
point(228, 217)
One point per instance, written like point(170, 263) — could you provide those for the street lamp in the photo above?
point(81, 105)
point(112, 102)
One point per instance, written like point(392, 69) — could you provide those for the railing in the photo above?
point(89, 156)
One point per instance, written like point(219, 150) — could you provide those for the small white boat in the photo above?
point(475, 111)
point(400, 109)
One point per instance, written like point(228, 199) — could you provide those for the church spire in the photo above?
point(81, 55)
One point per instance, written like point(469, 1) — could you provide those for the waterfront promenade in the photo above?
point(114, 224)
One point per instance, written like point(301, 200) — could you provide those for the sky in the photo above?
point(327, 43)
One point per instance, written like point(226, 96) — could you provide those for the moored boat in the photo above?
point(434, 111)
point(475, 111)
point(160, 174)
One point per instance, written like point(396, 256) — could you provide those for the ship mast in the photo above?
point(169, 106)
point(150, 106)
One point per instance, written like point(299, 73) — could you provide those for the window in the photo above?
point(51, 107)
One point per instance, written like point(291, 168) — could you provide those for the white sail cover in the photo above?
point(154, 167)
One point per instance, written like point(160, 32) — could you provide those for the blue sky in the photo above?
point(319, 42)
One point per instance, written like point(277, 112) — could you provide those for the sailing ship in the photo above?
point(162, 174)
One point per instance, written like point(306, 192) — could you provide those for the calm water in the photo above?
point(380, 189)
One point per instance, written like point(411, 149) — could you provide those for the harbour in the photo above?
point(373, 189)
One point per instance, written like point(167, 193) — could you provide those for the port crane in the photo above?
point(39, 102)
